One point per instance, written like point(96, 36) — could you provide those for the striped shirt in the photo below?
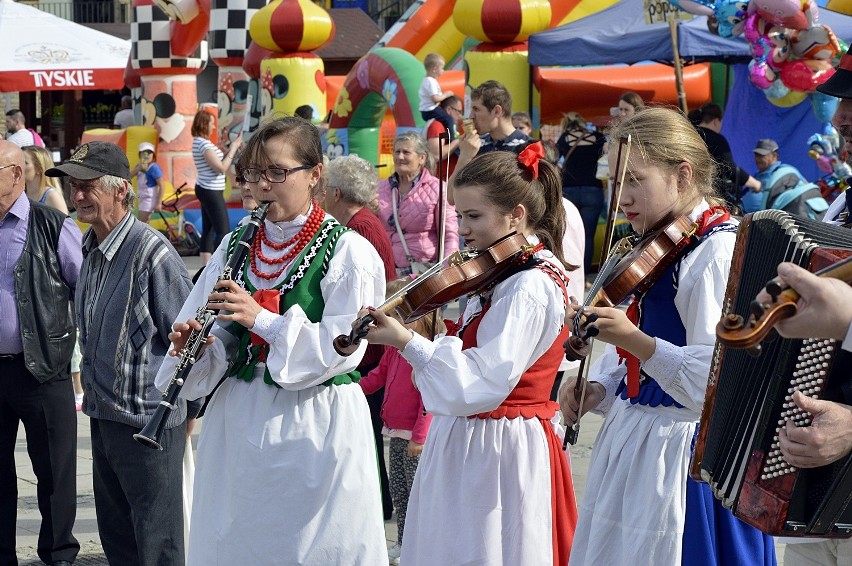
point(207, 177)
point(100, 260)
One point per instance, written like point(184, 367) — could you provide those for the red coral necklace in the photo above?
point(299, 241)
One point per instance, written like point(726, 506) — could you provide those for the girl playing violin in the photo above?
point(639, 506)
point(493, 479)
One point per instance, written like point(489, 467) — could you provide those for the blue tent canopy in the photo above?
point(619, 34)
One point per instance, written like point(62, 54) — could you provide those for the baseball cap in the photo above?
point(92, 160)
point(840, 83)
point(765, 146)
point(146, 146)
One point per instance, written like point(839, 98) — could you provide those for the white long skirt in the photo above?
point(286, 477)
point(633, 507)
point(481, 495)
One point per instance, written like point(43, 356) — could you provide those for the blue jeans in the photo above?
point(590, 202)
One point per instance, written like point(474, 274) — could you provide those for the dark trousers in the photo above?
point(215, 224)
point(590, 202)
point(442, 116)
point(50, 423)
point(138, 495)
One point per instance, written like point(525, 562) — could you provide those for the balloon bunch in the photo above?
point(792, 54)
point(828, 150)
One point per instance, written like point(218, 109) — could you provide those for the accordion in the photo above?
point(749, 398)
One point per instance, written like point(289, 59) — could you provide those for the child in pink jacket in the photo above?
point(406, 422)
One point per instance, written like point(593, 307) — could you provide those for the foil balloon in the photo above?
point(817, 42)
point(824, 106)
point(805, 75)
point(776, 90)
point(730, 17)
point(792, 98)
point(697, 7)
point(793, 14)
point(760, 74)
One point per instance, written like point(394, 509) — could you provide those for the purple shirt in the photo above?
point(13, 234)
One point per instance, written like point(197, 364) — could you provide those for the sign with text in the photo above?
point(657, 11)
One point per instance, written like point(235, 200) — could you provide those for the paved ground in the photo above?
point(86, 530)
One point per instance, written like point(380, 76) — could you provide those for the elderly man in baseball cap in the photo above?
point(131, 288)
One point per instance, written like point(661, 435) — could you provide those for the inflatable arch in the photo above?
point(385, 78)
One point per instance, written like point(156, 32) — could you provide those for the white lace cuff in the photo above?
point(664, 364)
point(267, 325)
point(419, 350)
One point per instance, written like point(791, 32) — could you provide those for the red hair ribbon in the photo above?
point(530, 157)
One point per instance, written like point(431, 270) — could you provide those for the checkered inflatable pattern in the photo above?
point(151, 44)
point(229, 27)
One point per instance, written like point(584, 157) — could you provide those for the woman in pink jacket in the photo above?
point(405, 420)
point(408, 207)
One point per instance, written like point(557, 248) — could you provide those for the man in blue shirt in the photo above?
point(782, 186)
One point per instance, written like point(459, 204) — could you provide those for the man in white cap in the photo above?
point(150, 184)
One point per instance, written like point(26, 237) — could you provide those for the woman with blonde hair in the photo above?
point(651, 379)
point(579, 148)
point(40, 188)
point(409, 207)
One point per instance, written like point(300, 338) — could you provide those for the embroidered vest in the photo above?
point(301, 286)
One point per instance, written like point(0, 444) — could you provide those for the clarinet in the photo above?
point(150, 435)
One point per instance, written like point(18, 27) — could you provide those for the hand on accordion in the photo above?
point(569, 402)
point(826, 440)
point(824, 309)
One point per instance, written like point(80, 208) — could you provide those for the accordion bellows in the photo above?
point(749, 398)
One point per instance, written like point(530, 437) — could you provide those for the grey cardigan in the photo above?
point(127, 339)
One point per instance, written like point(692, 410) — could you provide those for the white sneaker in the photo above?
point(393, 554)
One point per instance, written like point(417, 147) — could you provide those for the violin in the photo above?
point(735, 332)
point(630, 269)
point(468, 271)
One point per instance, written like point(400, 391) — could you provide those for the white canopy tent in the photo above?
point(44, 52)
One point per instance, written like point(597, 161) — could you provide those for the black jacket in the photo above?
point(48, 331)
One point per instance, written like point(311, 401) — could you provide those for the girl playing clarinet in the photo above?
point(639, 506)
point(286, 470)
point(493, 485)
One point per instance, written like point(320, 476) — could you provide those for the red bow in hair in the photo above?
point(530, 157)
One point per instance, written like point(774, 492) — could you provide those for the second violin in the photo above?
point(467, 271)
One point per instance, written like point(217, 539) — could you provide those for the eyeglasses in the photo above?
point(273, 174)
point(7, 166)
point(459, 110)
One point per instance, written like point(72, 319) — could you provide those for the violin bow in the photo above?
point(443, 176)
point(607, 263)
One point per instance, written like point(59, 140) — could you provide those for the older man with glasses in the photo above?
point(40, 265)
point(437, 137)
point(132, 286)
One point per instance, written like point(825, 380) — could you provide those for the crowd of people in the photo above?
point(290, 461)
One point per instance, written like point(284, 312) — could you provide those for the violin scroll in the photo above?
point(735, 332)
